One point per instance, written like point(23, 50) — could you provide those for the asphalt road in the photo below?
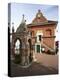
point(32, 70)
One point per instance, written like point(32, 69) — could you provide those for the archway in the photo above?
point(31, 50)
point(17, 50)
point(17, 47)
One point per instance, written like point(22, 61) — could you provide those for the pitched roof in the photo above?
point(22, 26)
point(40, 20)
point(42, 23)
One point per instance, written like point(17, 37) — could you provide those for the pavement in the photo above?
point(48, 60)
point(33, 70)
point(43, 65)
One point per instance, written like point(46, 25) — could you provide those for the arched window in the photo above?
point(17, 47)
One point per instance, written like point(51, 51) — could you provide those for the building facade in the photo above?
point(43, 33)
point(36, 37)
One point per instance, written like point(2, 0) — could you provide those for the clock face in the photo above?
point(39, 15)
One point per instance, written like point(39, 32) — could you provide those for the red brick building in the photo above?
point(43, 33)
point(36, 37)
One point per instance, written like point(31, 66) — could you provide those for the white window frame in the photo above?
point(37, 35)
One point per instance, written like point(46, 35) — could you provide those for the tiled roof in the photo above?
point(40, 20)
point(42, 23)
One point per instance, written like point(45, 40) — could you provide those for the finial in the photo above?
point(39, 11)
point(12, 27)
point(23, 21)
point(23, 15)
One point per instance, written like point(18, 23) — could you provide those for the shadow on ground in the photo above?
point(32, 70)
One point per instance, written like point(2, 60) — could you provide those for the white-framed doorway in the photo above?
point(38, 46)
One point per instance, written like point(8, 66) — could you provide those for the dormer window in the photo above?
point(39, 18)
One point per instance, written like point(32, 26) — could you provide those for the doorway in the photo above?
point(38, 48)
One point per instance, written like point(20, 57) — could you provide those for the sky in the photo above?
point(30, 10)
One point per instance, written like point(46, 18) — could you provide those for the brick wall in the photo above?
point(46, 33)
